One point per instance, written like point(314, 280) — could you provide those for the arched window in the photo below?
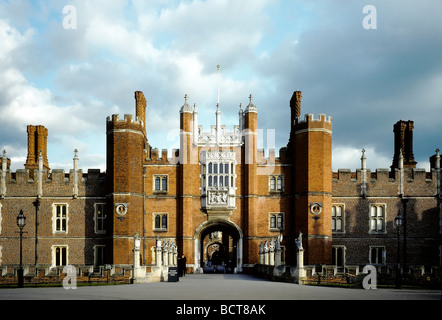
point(210, 167)
point(272, 221)
point(272, 183)
point(164, 183)
point(279, 221)
point(164, 221)
point(157, 222)
point(279, 184)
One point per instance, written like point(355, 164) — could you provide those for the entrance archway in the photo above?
point(218, 245)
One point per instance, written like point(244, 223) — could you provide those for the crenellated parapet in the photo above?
point(385, 182)
point(128, 123)
point(55, 183)
point(310, 123)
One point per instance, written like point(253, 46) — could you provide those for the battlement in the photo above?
point(270, 159)
point(310, 123)
point(385, 182)
point(56, 182)
point(128, 118)
point(156, 158)
point(311, 118)
point(53, 176)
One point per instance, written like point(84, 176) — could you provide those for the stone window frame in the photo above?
point(276, 215)
point(160, 215)
point(103, 248)
point(275, 188)
point(377, 218)
point(343, 225)
point(54, 218)
point(384, 255)
point(96, 218)
point(335, 249)
point(161, 186)
point(54, 254)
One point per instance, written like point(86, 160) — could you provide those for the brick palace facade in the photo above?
point(218, 198)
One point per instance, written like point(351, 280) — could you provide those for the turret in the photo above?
point(126, 142)
point(312, 163)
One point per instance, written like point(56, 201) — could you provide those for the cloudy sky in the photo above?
point(68, 65)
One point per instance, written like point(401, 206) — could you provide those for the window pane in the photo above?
point(226, 181)
point(272, 183)
point(215, 181)
point(333, 224)
point(380, 251)
point(221, 167)
point(157, 183)
point(164, 221)
point(63, 256)
point(226, 168)
point(380, 211)
point(215, 168)
point(279, 183)
point(221, 180)
point(279, 221)
point(333, 211)
point(373, 255)
point(210, 181)
point(380, 224)
point(157, 222)
point(57, 256)
point(210, 167)
point(164, 186)
point(272, 222)
point(338, 224)
point(338, 211)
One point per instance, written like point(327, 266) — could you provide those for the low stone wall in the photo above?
point(430, 277)
point(83, 274)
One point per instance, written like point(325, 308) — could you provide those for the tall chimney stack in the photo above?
point(403, 140)
point(37, 141)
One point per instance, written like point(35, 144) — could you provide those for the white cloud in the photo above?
point(365, 80)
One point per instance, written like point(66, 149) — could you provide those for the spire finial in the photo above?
point(217, 76)
point(185, 98)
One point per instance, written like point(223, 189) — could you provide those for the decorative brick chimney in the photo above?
point(37, 142)
point(403, 140)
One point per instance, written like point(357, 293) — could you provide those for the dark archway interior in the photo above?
point(219, 248)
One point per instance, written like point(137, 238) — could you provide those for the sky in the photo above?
point(68, 65)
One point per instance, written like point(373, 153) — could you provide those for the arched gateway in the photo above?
point(218, 243)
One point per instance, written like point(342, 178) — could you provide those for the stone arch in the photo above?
point(232, 229)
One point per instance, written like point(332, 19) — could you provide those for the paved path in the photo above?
point(215, 287)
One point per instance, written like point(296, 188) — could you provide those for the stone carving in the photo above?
point(217, 197)
point(299, 241)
